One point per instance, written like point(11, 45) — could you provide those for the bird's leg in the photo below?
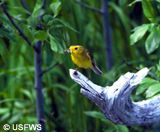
point(83, 70)
point(76, 68)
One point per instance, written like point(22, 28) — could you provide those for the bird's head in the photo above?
point(76, 49)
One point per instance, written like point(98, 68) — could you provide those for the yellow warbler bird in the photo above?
point(81, 57)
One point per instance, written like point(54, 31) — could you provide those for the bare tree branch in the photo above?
point(115, 101)
point(50, 68)
point(88, 7)
point(25, 6)
point(21, 33)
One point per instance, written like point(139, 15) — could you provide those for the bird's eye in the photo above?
point(76, 48)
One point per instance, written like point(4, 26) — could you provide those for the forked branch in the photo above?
point(115, 101)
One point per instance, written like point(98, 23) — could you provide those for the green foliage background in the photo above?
point(135, 35)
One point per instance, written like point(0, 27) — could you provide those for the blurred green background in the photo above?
point(135, 43)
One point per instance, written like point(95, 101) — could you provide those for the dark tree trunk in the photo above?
point(38, 85)
point(107, 34)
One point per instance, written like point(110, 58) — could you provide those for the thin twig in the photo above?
point(21, 33)
point(50, 68)
point(25, 6)
point(89, 7)
point(43, 4)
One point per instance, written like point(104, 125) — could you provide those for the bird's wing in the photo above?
point(89, 55)
point(94, 66)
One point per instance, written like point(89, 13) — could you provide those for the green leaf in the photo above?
point(55, 44)
point(138, 33)
point(153, 90)
point(56, 7)
point(2, 48)
point(28, 31)
point(18, 12)
point(67, 25)
point(121, 128)
point(7, 31)
point(158, 1)
point(47, 18)
point(4, 110)
point(122, 2)
point(19, 104)
point(135, 1)
point(28, 94)
point(95, 114)
point(15, 117)
point(60, 86)
point(38, 11)
point(152, 41)
point(37, 8)
point(144, 85)
point(13, 71)
point(5, 116)
point(40, 35)
point(148, 10)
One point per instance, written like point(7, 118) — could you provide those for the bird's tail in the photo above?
point(96, 69)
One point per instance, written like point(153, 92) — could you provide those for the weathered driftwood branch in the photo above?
point(115, 101)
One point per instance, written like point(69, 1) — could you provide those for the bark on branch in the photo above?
point(107, 34)
point(37, 62)
point(39, 86)
point(38, 76)
point(89, 7)
point(20, 31)
point(115, 101)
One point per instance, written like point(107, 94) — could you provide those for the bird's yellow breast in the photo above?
point(81, 60)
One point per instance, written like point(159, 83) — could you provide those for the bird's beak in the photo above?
point(67, 51)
